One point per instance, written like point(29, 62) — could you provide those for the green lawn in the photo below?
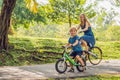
point(35, 50)
point(96, 77)
point(101, 77)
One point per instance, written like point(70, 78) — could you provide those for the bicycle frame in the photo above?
point(66, 57)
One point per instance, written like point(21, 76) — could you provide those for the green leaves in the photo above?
point(32, 5)
point(113, 33)
point(69, 10)
point(23, 17)
point(82, 2)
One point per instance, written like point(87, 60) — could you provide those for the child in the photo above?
point(76, 47)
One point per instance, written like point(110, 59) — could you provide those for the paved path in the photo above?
point(45, 71)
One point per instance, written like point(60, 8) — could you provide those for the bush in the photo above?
point(113, 33)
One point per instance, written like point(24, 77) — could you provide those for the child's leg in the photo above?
point(71, 56)
point(70, 63)
point(71, 69)
point(80, 60)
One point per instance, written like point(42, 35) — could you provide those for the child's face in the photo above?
point(73, 32)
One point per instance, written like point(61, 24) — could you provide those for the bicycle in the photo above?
point(61, 64)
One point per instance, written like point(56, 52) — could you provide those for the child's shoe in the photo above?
point(71, 70)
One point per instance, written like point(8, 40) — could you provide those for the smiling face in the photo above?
point(82, 18)
point(73, 32)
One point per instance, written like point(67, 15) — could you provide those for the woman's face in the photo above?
point(82, 18)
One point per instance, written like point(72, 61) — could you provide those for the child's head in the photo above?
point(73, 31)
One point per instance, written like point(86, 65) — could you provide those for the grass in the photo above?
point(102, 77)
point(95, 77)
point(110, 49)
point(35, 50)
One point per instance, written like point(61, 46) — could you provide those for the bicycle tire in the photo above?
point(100, 55)
point(57, 66)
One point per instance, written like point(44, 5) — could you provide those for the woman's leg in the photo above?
point(84, 44)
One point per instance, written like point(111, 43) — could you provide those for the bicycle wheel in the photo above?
point(97, 57)
point(61, 66)
point(80, 68)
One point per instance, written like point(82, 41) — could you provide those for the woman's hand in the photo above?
point(81, 31)
point(86, 27)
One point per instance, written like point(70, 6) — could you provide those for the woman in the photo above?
point(87, 40)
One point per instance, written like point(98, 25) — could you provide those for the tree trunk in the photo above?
point(11, 29)
point(6, 12)
point(69, 19)
point(69, 15)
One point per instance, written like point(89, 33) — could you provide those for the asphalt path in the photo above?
point(46, 71)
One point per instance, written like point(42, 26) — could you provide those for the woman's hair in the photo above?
point(85, 20)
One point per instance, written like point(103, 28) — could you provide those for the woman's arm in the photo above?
point(86, 27)
point(78, 27)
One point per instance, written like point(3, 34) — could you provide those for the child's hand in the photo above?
point(67, 45)
point(63, 46)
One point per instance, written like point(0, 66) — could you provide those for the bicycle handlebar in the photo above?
point(65, 48)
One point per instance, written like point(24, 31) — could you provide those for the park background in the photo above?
point(38, 29)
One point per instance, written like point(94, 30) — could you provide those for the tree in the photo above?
point(106, 15)
point(68, 10)
point(5, 17)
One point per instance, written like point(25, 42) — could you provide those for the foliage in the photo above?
point(110, 49)
point(32, 5)
point(35, 50)
point(58, 11)
point(105, 15)
point(29, 50)
point(49, 31)
point(111, 33)
point(1, 3)
point(68, 10)
point(23, 17)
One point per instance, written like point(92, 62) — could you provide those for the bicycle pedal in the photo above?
point(68, 66)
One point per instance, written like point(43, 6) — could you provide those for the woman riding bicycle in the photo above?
point(87, 40)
